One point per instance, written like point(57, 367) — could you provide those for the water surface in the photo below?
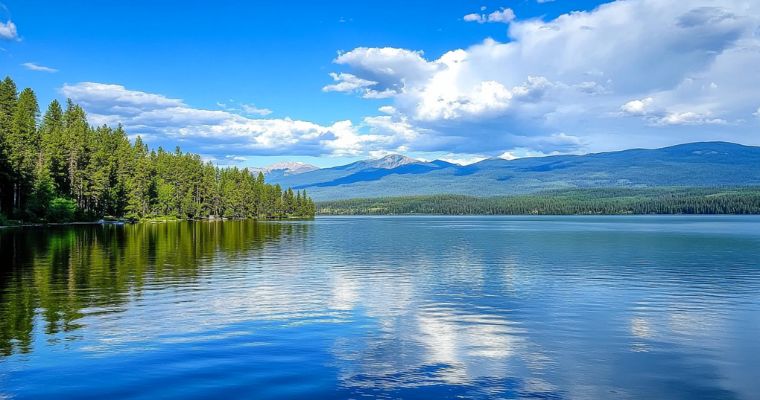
point(384, 307)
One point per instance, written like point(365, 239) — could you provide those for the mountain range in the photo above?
point(282, 169)
point(703, 164)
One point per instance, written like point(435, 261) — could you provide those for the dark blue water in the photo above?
point(405, 307)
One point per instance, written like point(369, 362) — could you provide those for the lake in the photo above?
point(384, 307)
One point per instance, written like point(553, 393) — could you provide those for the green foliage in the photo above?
point(42, 194)
point(62, 210)
point(562, 202)
point(65, 169)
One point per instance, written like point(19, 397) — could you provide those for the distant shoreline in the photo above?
point(81, 223)
point(568, 202)
point(597, 201)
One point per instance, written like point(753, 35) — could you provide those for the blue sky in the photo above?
point(251, 83)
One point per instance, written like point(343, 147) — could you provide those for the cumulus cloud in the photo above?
point(384, 70)
point(243, 108)
point(102, 98)
point(387, 110)
point(637, 107)
point(646, 109)
point(36, 67)
point(8, 30)
point(584, 81)
point(348, 83)
point(595, 76)
point(689, 118)
point(213, 133)
point(505, 16)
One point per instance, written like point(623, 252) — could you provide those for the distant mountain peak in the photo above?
point(391, 161)
point(286, 168)
point(686, 165)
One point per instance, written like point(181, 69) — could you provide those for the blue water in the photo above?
point(385, 307)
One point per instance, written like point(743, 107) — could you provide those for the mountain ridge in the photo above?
point(690, 164)
point(285, 168)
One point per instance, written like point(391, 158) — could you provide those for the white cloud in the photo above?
point(462, 159)
point(36, 67)
point(645, 108)
point(637, 107)
point(584, 81)
point(101, 98)
point(251, 109)
point(379, 94)
point(348, 83)
point(579, 75)
point(399, 130)
point(243, 108)
point(523, 152)
point(168, 122)
point(505, 16)
point(388, 69)
point(8, 31)
point(387, 110)
point(689, 118)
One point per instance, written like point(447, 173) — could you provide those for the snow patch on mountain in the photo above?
point(286, 168)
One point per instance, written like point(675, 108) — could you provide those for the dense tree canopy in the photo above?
point(610, 201)
point(59, 168)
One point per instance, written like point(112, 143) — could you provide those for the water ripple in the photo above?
point(423, 307)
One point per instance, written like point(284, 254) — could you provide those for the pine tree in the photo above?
point(54, 144)
point(122, 166)
point(8, 101)
point(43, 191)
point(76, 138)
point(23, 147)
point(66, 168)
point(139, 184)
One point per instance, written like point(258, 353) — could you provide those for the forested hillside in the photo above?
point(701, 164)
point(562, 202)
point(59, 168)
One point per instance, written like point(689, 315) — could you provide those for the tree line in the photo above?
point(58, 168)
point(607, 201)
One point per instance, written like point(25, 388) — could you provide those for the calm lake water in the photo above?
point(391, 307)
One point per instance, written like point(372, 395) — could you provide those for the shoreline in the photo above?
point(75, 223)
point(147, 221)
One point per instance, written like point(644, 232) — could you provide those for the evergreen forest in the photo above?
point(605, 201)
point(55, 167)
